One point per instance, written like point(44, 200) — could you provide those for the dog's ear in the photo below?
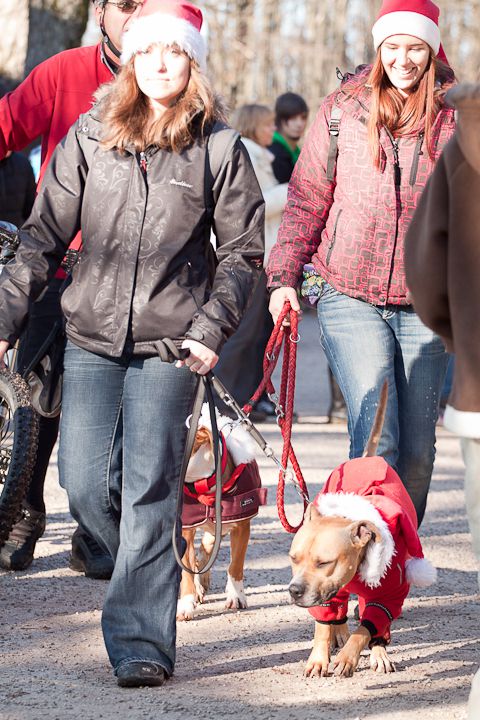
point(203, 436)
point(362, 532)
point(311, 513)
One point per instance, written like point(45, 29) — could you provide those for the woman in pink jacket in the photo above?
point(362, 170)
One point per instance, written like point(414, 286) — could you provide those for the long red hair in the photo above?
point(403, 116)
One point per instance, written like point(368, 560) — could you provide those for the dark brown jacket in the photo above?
point(443, 250)
point(147, 269)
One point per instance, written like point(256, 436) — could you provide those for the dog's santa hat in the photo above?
point(409, 17)
point(369, 489)
point(169, 22)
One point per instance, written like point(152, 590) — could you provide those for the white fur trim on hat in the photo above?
point(379, 555)
point(406, 23)
point(165, 29)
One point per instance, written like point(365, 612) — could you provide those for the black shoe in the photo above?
point(140, 673)
point(17, 552)
point(89, 558)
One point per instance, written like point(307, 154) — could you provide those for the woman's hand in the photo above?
point(201, 359)
point(4, 347)
point(278, 299)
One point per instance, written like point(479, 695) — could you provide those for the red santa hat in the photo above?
point(369, 489)
point(170, 22)
point(409, 17)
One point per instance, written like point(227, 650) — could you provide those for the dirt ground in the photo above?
point(246, 664)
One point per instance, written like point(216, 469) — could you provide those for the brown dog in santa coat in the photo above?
point(241, 498)
point(359, 536)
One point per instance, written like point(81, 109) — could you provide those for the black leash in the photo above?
point(169, 352)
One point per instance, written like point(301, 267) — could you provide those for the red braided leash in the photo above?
point(288, 337)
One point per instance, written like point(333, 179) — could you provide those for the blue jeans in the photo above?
point(150, 400)
point(366, 344)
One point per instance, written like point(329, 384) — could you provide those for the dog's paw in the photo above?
point(318, 663)
point(379, 660)
point(200, 590)
point(205, 583)
point(236, 598)
point(339, 637)
point(186, 607)
point(345, 663)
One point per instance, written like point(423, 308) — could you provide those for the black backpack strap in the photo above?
point(334, 130)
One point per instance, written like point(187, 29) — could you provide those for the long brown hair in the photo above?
point(126, 114)
point(403, 116)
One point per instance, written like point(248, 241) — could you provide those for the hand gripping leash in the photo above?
point(284, 403)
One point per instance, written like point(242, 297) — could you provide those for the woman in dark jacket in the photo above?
point(138, 174)
point(348, 213)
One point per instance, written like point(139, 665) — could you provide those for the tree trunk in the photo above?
point(33, 30)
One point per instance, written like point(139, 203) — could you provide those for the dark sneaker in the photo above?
point(17, 552)
point(140, 673)
point(89, 558)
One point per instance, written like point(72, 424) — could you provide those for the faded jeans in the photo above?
point(134, 522)
point(366, 344)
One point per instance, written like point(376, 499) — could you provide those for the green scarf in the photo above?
point(293, 153)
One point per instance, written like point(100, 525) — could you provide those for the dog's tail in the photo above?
point(376, 431)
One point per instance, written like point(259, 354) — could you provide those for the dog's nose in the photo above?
point(296, 590)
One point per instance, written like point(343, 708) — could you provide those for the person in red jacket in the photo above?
point(347, 214)
point(46, 104)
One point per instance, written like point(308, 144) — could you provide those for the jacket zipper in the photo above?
point(416, 159)
point(396, 159)
point(396, 164)
point(143, 163)
point(334, 238)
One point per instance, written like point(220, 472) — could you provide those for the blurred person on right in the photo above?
point(443, 266)
point(347, 214)
point(443, 269)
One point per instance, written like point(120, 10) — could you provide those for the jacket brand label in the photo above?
point(182, 183)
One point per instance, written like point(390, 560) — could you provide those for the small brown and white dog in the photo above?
point(359, 536)
point(241, 499)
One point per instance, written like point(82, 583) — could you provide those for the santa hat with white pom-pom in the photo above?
point(369, 489)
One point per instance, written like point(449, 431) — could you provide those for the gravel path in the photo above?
point(246, 664)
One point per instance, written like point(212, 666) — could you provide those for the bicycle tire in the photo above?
point(18, 447)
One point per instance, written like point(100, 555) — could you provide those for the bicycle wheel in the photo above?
point(18, 447)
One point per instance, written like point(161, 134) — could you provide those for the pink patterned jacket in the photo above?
point(353, 228)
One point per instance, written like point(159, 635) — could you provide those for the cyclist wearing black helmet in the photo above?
point(45, 105)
